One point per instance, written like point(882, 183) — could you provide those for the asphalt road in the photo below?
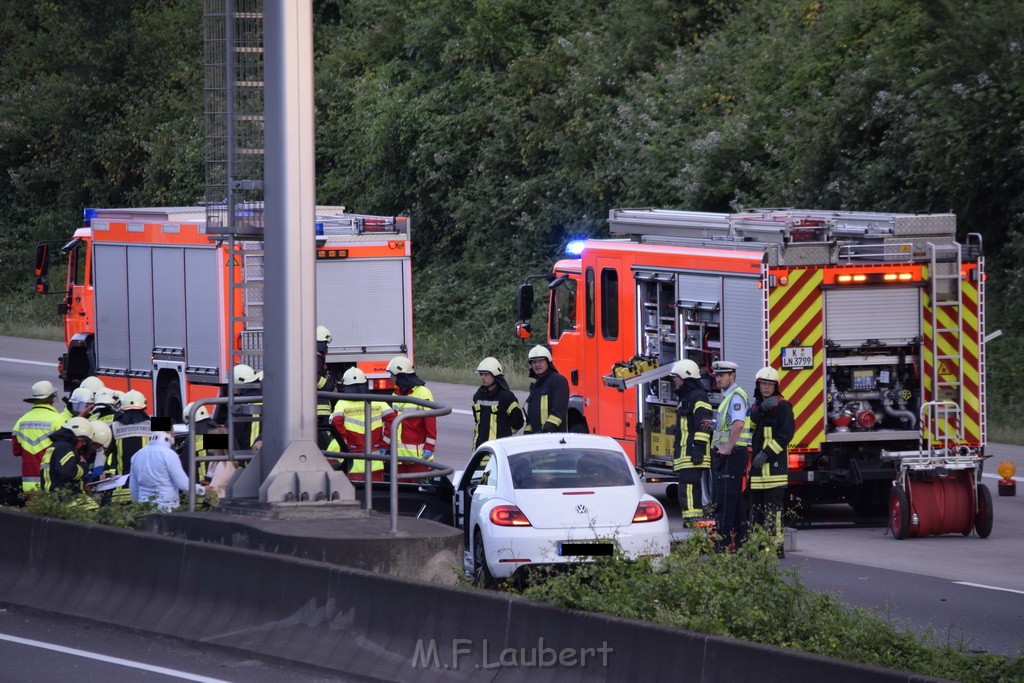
point(966, 589)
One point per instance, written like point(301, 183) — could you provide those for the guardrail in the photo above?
point(432, 410)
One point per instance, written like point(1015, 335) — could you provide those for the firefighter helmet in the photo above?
point(133, 399)
point(323, 334)
point(400, 365)
point(259, 376)
point(767, 374)
point(490, 365)
point(685, 368)
point(244, 374)
point(101, 433)
point(106, 397)
point(201, 413)
point(41, 391)
point(82, 395)
point(92, 382)
point(539, 352)
point(353, 376)
point(79, 426)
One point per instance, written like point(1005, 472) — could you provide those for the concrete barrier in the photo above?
point(358, 622)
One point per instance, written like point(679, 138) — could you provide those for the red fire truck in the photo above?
point(156, 303)
point(867, 317)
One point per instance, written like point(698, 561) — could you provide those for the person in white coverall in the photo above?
point(157, 475)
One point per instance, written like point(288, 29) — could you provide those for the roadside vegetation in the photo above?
point(82, 508)
point(746, 595)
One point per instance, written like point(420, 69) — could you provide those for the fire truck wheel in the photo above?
point(171, 404)
point(481, 574)
point(899, 513)
point(983, 520)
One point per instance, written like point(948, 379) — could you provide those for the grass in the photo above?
point(746, 595)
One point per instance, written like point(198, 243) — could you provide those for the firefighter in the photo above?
point(691, 456)
point(547, 407)
point(246, 384)
point(349, 423)
point(772, 416)
point(70, 457)
point(417, 437)
point(131, 430)
point(496, 411)
point(729, 456)
point(31, 433)
point(324, 382)
point(105, 405)
point(205, 425)
point(81, 402)
point(92, 383)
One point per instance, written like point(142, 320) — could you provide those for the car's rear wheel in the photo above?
point(481, 574)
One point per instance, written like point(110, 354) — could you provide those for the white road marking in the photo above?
point(29, 362)
point(991, 588)
point(111, 660)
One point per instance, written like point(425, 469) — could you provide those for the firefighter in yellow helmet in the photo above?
point(691, 451)
point(496, 411)
point(772, 416)
point(416, 437)
point(547, 407)
point(31, 433)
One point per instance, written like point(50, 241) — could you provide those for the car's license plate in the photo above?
point(567, 549)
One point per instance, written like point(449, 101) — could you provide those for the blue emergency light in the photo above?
point(575, 247)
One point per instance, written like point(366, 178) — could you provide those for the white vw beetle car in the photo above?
point(553, 498)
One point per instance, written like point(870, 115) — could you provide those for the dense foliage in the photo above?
point(746, 595)
point(504, 128)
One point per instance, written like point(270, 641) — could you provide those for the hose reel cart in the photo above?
point(938, 487)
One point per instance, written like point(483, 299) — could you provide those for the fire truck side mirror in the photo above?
point(523, 330)
point(42, 268)
point(524, 303)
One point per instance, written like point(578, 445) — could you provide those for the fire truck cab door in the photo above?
point(612, 342)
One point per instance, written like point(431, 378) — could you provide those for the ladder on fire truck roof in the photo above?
point(946, 315)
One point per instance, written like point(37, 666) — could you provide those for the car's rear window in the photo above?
point(566, 469)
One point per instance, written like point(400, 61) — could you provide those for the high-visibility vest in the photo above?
point(348, 418)
point(33, 431)
point(724, 424)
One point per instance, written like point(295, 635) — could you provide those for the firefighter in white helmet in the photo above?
point(691, 451)
point(772, 416)
point(324, 382)
point(547, 407)
point(348, 422)
point(105, 405)
point(31, 433)
point(80, 402)
point(496, 411)
point(92, 383)
point(416, 437)
point(70, 457)
point(206, 426)
point(247, 422)
point(131, 428)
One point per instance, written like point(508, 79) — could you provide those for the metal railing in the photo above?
point(432, 410)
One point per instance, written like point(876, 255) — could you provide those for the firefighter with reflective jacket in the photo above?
point(31, 434)
point(691, 451)
point(772, 416)
point(205, 426)
point(496, 411)
point(105, 405)
point(547, 407)
point(416, 437)
point(247, 383)
point(131, 431)
point(324, 382)
point(69, 460)
point(729, 456)
point(349, 423)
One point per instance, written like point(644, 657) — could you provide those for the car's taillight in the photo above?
point(508, 515)
point(648, 511)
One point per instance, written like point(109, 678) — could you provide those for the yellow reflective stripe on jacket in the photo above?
point(763, 478)
point(33, 429)
point(683, 461)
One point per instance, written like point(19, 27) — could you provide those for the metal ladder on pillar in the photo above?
point(946, 313)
